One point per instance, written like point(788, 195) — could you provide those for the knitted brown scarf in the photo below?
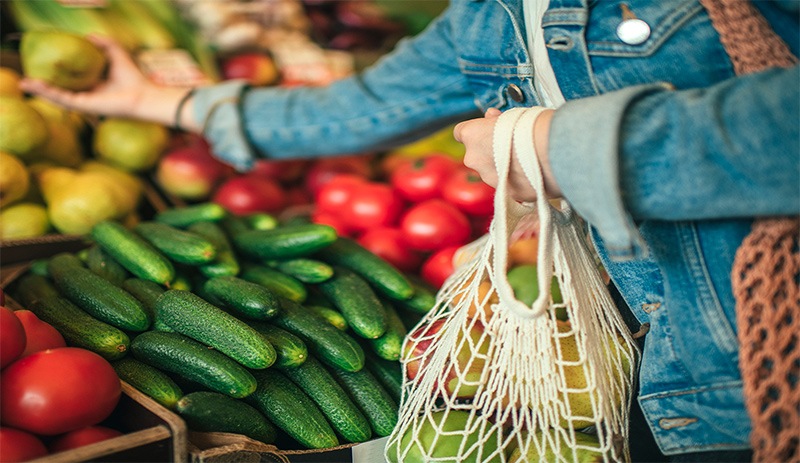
point(766, 269)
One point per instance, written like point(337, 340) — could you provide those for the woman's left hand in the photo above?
point(477, 136)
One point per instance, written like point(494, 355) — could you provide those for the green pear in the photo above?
point(131, 145)
point(9, 82)
point(14, 179)
point(592, 454)
point(22, 128)
point(63, 59)
point(440, 437)
point(23, 220)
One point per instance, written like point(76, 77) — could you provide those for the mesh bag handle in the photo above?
point(766, 269)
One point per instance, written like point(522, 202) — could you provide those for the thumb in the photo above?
point(492, 112)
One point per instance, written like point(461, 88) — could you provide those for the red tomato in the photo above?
point(39, 334)
point(285, 171)
point(422, 178)
point(333, 220)
point(389, 244)
point(81, 437)
point(338, 191)
point(435, 224)
point(465, 189)
point(297, 196)
point(58, 390)
point(246, 194)
point(16, 445)
point(372, 204)
point(438, 266)
point(324, 169)
point(12, 337)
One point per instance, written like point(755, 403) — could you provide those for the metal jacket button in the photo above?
point(633, 31)
point(515, 93)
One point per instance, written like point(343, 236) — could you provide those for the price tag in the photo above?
point(172, 68)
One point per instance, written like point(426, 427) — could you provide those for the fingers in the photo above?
point(492, 112)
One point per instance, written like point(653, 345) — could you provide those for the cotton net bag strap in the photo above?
point(489, 378)
point(766, 269)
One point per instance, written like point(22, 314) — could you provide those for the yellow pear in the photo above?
point(131, 145)
point(124, 199)
point(9, 82)
point(129, 181)
point(580, 403)
point(63, 146)
point(52, 111)
point(62, 59)
point(14, 179)
point(52, 180)
point(81, 204)
point(22, 128)
point(23, 220)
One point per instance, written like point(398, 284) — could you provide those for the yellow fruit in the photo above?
point(54, 112)
point(131, 145)
point(22, 128)
point(81, 205)
point(62, 147)
point(23, 220)
point(125, 199)
point(14, 179)
point(52, 180)
point(9, 83)
point(62, 59)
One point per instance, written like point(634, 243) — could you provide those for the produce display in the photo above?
point(282, 331)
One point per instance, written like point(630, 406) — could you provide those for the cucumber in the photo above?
point(179, 245)
point(179, 354)
point(97, 296)
point(423, 299)
point(208, 411)
point(132, 252)
point(188, 314)
point(182, 217)
point(226, 263)
point(284, 242)
point(292, 410)
point(99, 262)
point(375, 402)
point(322, 339)
point(389, 373)
point(333, 401)
point(383, 276)
point(234, 224)
point(39, 267)
point(333, 316)
point(291, 350)
point(280, 283)
point(149, 380)
point(306, 270)
point(146, 292)
point(357, 302)
point(79, 328)
point(242, 298)
point(390, 345)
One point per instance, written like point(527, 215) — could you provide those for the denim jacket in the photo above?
point(665, 153)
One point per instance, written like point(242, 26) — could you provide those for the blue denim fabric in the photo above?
point(665, 154)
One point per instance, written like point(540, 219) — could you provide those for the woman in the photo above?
point(653, 139)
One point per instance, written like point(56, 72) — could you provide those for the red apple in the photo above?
point(246, 194)
point(190, 172)
point(463, 372)
point(257, 68)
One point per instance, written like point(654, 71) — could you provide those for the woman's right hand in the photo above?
point(121, 94)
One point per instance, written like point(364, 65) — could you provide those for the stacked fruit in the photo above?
point(417, 218)
point(239, 323)
point(67, 413)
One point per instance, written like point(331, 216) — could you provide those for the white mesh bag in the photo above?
point(491, 379)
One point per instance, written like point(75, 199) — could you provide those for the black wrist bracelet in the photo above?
point(179, 108)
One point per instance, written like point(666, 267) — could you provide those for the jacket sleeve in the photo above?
point(411, 92)
point(731, 150)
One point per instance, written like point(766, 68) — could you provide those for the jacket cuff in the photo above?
point(217, 109)
point(584, 156)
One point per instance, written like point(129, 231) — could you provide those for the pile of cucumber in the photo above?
point(283, 332)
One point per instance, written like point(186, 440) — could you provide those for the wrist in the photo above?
point(159, 104)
